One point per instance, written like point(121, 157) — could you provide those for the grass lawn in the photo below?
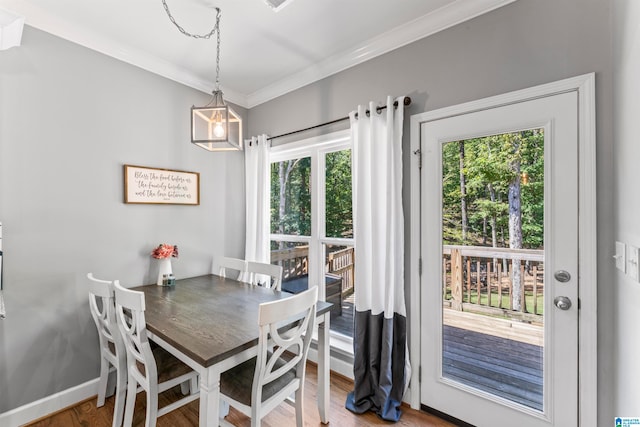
point(495, 300)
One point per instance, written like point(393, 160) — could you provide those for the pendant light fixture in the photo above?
point(214, 127)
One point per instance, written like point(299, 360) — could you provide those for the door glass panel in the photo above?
point(492, 266)
point(291, 197)
point(338, 200)
point(339, 263)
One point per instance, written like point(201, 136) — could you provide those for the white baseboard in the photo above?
point(407, 398)
point(339, 366)
point(48, 405)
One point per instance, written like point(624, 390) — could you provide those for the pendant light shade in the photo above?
point(216, 127)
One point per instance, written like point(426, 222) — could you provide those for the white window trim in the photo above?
point(290, 238)
point(294, 149)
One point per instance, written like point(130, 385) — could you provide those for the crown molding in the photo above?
point(438, 20)
point(424, 26)
point(40, 19)
point(10, 29)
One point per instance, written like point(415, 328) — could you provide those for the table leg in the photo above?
point(210, 397)
point(323, 369)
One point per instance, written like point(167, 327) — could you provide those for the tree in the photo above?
point(487, 175)
point(463, 194)
point(484, 191)
point(515, 217)
point(338, 194)
point(284, 170)
point(291, 197)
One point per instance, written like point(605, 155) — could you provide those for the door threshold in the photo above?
point(445, 417)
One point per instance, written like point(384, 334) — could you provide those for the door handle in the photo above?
point(563, 303)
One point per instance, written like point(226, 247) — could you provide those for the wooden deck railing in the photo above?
point(341, 263)
point(481, 279)
point(295, 263)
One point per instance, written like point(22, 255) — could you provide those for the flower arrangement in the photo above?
point(164, 251)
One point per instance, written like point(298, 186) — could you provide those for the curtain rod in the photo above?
point(407, 101)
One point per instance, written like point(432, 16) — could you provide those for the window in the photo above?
point(312, 223)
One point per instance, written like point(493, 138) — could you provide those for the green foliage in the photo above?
point(296, 217)
point(501, 301)
point(295, 176)
point(339, 212)
point(488, 170)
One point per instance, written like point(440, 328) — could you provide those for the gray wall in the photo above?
point(626, 317)
point(69, 119)
point(526, 43)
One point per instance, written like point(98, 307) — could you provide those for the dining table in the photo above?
point(210, 323)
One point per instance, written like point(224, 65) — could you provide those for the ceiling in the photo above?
point(264, 53)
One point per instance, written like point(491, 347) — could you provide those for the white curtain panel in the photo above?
point(257, 167)
point(381, 365)
point(377, 207)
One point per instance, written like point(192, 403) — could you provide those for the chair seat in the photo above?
point(169, 366)
point(237, 382)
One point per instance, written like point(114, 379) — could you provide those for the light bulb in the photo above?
point(218, 130)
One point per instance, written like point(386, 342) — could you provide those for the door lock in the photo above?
point(562, 276)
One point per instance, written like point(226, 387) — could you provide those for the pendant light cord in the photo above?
point(188, 34)
point(215, 29)
point(217, 50)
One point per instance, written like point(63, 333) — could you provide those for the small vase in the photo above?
point(164, 267)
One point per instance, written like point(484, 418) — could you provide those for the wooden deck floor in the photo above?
point(512, 329)
point(503, 367)
point(344, 323)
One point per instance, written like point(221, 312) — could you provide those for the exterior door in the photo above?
point(499, 246)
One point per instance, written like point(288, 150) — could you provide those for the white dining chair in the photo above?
point(112, 349)
point(260, 384)
point(143, 360)
point(233, 268)
point(263, 274)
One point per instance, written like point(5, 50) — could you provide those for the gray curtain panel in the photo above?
point(379, 346)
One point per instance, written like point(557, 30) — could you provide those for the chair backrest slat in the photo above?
point(102, 306)
point(130, 306)
point(261, 272)
point(227, 263)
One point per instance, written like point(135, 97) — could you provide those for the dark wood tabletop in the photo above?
point(209, 318)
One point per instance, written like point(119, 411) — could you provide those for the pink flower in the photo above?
point(165, 251)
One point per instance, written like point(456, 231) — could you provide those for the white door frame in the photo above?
point(587, 267)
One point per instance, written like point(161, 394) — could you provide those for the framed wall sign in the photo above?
point(145, 185)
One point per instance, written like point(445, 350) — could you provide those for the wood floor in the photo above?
point(85, 414)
